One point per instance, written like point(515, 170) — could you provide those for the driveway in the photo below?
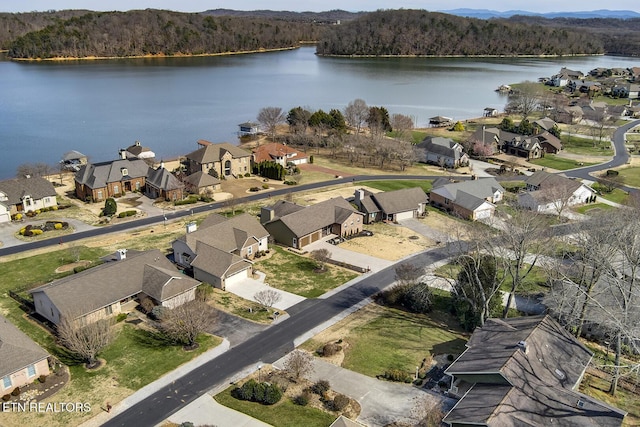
point(247, 288)
point(382, 402)
point(206, 411)
point(423, 229)
point(234, 328)
point(350, 257)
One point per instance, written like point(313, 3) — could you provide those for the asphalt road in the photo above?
point(267, 347)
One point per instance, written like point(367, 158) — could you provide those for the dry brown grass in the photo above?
point(389, 241)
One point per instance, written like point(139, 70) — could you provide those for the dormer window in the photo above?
point(124, 171)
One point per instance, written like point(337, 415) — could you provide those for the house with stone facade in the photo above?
point(25, 194)
point(221, 160)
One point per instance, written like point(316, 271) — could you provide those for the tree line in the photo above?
point(81, 33)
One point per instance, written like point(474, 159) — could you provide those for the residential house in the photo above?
point(473, 200)
point(550, 143)
point(524, 371)
point(570, 115)
point(545, 123)
point(99, 181)
point(486, 141)
point(595, 111)
point(584, 86)
point(524, 146)
point(224, 159)
point(220, 250)
point(628, 90)
point(548, 192)
point(137, 151)
point(201, 183)
point(564, 77)
point(248, 129)
point(104, 291)
point(72, 160)
point(297, 226)
point(490, 112)
point(391, 205)
point(25, 195)
point(163, 184)
point(443, 152)
point(22, 361)
point(278, 153)
point(440, 121)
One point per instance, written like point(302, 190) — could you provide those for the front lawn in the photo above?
point(559, 163)
point(631, 176)
point(593, 208)
point(399, 184)
point(586, 146)
point(297, 274)
point(283, 414)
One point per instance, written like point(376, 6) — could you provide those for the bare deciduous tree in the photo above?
point(405, 154)
point(33, 169)
point(402, 125)
point(321, 256)
point(185, 322)
point(356, 114)
point(526, 99)
point(85, 341)
point(270, 118)
point(267, 298)
point(408, 274)
point(298, 363)
point(558, 194)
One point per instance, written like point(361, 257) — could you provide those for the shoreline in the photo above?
point(100, 58)
point(462, 56)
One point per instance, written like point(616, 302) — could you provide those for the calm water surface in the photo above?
point(97, 107)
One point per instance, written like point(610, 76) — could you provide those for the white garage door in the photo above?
point(403, 215)
point(236, 278)
point(483, 214)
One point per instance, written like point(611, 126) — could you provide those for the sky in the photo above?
point(314, 5)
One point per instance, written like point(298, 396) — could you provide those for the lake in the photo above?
point(97, 107)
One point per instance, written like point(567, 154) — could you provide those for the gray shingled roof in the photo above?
point(402, 200)
point(441, 146)
point(97, 287)
point(542, 378)
point(17, 351)
point(36, 187)
point(543, 179)
point(481, 188)
point(227, 234)
point(73, 155)
point(214, 152)
point(98, 175)
point(314, 217)
point(162, 283)
point(200, 179)
point(217, 262)
point(163, 179)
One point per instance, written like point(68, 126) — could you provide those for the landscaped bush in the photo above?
point(126, 214)
point(42, 379)
point(16, 392)
point(240, 176)
point(187, 201)
point(17, 217)
point(303, 398)
point(290, 183)
point(321, 387)
point(330, 349)
point(36, 231)
point(397, 375)
point(247, 175)
point(120, 317)
point(6, 397)
point(340, 402)
point(265, 393)
point(265, 186)
point(254, 189)
point(57, 226)
point(110, 207)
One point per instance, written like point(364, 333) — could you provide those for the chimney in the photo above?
point(161, 164)
point(137, 143)
point(121, 254)
point(359, 196)
point(522, 345)
point(191, 227)
point(123, 153)
point(266, 215)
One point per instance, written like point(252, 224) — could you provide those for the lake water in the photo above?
point(97, 107)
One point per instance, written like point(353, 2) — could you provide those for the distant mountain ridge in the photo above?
point(487, 14)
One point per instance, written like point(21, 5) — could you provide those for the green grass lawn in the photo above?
point(396, 339)
point(586, 146)
point(294, 273)
point(593, 208)
point(631, 176)
point(399, 184)
point(553, 162)
point(283, 414)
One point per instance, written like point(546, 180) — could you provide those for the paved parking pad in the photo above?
point(249, 287)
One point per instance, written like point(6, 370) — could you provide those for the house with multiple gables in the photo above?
point(391, 205)
point(528, 147)
point(220, 251)
point(98, 181)
point(493, 140)
point(25, 194)
point(524, 371)
point(22, 361)
point(103, 291)
point(443, 152)
point(473, 200)
point(201, 183)
point(297, 226)
point(161, 183)
point(278, 153)
point(221, 160)
point(548, 192)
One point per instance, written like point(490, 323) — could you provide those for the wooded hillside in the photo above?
point(153, 32)
point(417, 32)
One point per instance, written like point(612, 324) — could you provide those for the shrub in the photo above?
point(450, 357)
point(240, 176)
point(156, 312)
point(397, 375)
point(272, 394)
point(290, 183)
point(121, 316)
point(6, 397)
point(17, 217)
point(340, 402)
point(16, 392)
point(311, 159)
point(42, 379)
point(303, 398)
point(54, 208)
point(321, 387)
point(254, 189)
point(254, 391)
point(110, 207)
point(330, 349)
point(57, 226)
point(186, 424)
point(36, 232)
point(247, 175)
point(126, 214)
point(265, 186)
point(611, 172)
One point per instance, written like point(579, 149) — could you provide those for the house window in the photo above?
point(137, 185)
point(116, 189)
point(99, 194)
point(46, 200)
point(31, 371)
point(294, 242)
point(446, 201)
point(108, 310)
point(249, 250)
point(6, 382)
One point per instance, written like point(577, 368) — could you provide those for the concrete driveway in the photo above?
point(206, 411)
point(382, 402)
point(249, 287)
point(350, 257)
point(423, 229)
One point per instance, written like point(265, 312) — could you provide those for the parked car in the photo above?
point(366, 233)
